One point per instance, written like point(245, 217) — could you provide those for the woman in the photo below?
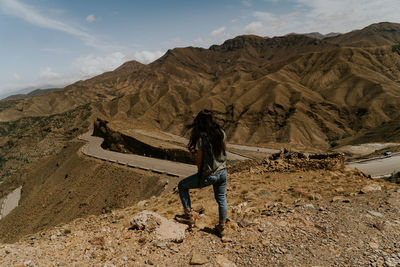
point(207, 141)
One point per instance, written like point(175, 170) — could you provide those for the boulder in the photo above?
point(224, 262)
point(162, 228)
point(146, 220)
point(370, 188)
point(198, 259)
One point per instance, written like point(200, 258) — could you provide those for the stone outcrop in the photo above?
point(119, 142)
point(286, 161)
point(162, 228)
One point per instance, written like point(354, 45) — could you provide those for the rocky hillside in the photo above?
point(280, 214)
point(152, 147)
point(30, 139)
point(67, 185)
point(294, 89)
point(378, 34)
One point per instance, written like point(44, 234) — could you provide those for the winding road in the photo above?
point(378, 167)
point(10, 202)
point(93, 149)
point(233, 156)
point(375, 168)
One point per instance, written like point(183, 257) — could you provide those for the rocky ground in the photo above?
point(281, 214)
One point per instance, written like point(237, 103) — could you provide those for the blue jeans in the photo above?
point(219, 184)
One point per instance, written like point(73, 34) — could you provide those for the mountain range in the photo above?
point(295, 89)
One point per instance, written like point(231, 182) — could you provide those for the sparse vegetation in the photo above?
point(334, 144)
point(23, 136)
point(333, 140)
point(5, 104)
point(394, 178)
point(396, 49)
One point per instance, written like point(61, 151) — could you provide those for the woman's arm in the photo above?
point(199, 156)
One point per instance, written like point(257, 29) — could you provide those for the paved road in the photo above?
point(10, 202)
point(93, 149)
point(254, 149)
point(233, 156)
point(378, 167)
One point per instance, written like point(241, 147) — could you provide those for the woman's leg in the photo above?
point(183, 188)
point(220, 196)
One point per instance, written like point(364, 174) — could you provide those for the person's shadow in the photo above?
point(209, 230)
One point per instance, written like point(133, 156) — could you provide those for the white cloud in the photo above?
point(198, 41)
point(274, 25)
point(91, 65)
point(48, 74)
point(87, 66)
point(247, 3)
point(264, 16)
point(255, 27)
point(173, 43)
point(346, 15)
point(59, 51)
point(324, 16)
point(30, 15)
point(147, 56)
point(217, 33)
point(90, 18)
point(215, 36)
point(23, 86)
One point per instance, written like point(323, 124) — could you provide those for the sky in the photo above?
point(53, 43)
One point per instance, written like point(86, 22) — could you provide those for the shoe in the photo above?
point(187, 218)
point(220, 229)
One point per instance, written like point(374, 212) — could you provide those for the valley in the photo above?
point(87, 158)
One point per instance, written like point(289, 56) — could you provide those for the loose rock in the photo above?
point(373, 245)
point(370, 188)
point(375, 213)
point(224, 262)
point(164, 229)
point(198, 259)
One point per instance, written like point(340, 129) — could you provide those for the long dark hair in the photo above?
point(205, 123)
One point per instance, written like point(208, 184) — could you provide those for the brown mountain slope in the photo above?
point(305, 100)
point(32, 138)
point(68, 185)
point(185, 63)
point(100, 88)
point(280, 215)
point(292, 89)
point(377, 34)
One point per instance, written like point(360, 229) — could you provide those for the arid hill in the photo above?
point(294, 89)
point(280, 215)
point(321, 36)
point(69, 185)
point(378, 34)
